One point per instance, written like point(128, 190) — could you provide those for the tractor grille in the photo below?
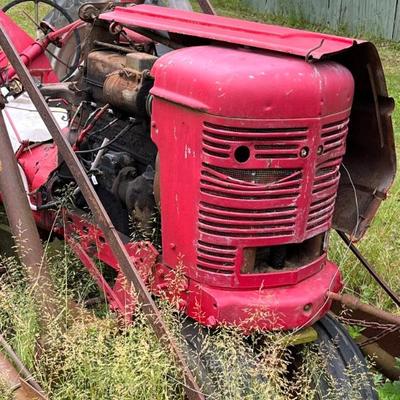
point(259, 204)
point(243, 189)
point(282, 184)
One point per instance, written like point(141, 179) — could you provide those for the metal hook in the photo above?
point(308, 55)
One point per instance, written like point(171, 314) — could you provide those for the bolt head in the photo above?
point(307, 308)
point(304, 152)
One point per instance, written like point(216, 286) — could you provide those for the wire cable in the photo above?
point(123, 131)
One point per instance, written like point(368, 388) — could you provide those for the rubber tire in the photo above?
point(50, 3)
point(335, 339)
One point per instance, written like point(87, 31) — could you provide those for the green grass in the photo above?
point(25, 13)
point(102, 358)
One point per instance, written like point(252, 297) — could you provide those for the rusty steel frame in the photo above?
point(383, 360)
point(17, 386)
point(20, 367)
point(148, 305)
point(206, 7)
point(390, 292)
point(354, 303)
point(26, 236)
point(23, 227)
point(156, 37)
point(19, 214)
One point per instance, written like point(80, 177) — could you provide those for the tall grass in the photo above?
point(94, 358)
point(98, 357)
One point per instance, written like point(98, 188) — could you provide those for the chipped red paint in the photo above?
point(293, 123)
point(46, 157)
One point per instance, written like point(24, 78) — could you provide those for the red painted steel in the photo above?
point(89, 244)
point(230, 30)
point(222, 206)
point(38, 172)
point(283, 307)
point(372, 125)
point(292, 123)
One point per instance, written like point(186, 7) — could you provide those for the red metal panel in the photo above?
point(289, 115)
point(292, 117)
point(93, 246)
point(38, 163)
point(21, 39)
point(230, 30)
point(241, 83)
point(285, 307)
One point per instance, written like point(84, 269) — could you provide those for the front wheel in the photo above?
point(230, 366)
point(346, 376)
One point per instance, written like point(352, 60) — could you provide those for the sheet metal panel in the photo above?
point(230, 30)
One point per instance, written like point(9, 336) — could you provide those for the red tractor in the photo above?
point(228, 150)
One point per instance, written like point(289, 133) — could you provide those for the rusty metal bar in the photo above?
point(148, 305)
point(23, 228)
point(22, 370)
point(114, 47)
point(370, 268)
point(19, 389)
point(354, 303)
point(156, 37)
point(206, 7)
point(26, 236)
point(383, 361)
